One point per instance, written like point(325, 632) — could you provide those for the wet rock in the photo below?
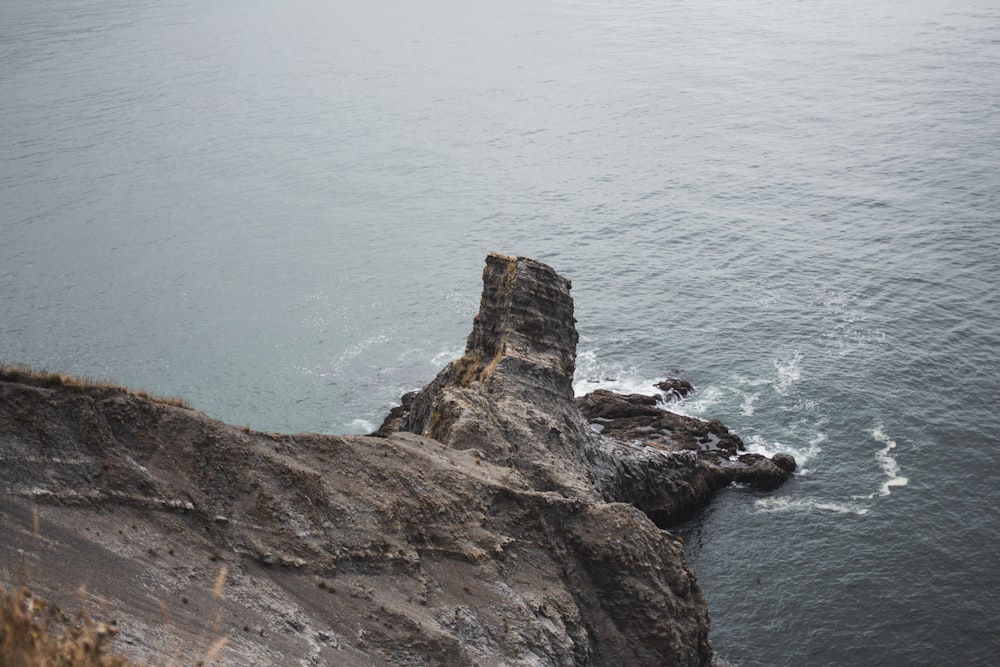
point(675, 389)
point(785, 461)
point(758, 471)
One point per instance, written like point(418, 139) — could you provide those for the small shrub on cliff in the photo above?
point(34, 633)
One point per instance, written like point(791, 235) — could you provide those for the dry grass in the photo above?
point(468, 369)
point(35, 633)
point(44, 378)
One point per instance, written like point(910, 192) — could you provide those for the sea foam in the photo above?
point(771, 504)
point(360, 427)
point(445, 356)
point(747, 407)
point(593, 374)
point(888, 464)
point(789, 372)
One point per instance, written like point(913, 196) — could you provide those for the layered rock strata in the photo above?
point(489, 524)
point(510, 396)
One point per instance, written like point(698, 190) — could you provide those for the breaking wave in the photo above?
point(360, 427)
point(592, 374)
point(757, 444)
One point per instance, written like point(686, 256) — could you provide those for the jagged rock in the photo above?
point(665, 489)
point(639, 417)
point(758, 471)
point(400, 549)
point(675, 389)
point(510, 395)
point(604, 404)
point(489, 523)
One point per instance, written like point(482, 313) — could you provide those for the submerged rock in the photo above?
point(488, 523)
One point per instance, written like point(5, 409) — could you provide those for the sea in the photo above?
point(280, 211)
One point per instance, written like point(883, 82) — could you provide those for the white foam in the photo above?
point(337, 366)
point(789, 372)
point(592, 374)
point(771, 504)
point(698, 403)
point(757, 444)
point(888, 464)
point(445, 356)
point(758, 382)
point(360, 427)
point(747, 407)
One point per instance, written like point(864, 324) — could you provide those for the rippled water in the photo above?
point(280, 211)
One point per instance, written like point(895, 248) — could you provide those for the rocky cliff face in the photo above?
point(511, 397)
point(488, 524)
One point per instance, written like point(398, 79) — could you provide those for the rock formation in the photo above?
point(489, 523)
point(511, 397)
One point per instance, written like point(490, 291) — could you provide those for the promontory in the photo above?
point(492, 519)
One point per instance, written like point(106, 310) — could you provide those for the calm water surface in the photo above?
point(280, 211)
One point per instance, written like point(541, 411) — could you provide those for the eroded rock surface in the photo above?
point(489, 524)
point(670, 465)
point(511, 397)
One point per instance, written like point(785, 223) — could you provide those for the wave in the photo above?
point(889, 465)
point(359, 427)
point(747, 407)
point(757, 444)
point(786, 504)
point(444, 357)
point(699, 403)
point(592, 374)
point(789, 372)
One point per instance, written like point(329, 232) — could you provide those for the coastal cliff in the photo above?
point(510, 396)
point(493, 519)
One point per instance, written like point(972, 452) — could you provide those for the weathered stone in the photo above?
point(510, 395)
point(487, 524)
point(785, 461)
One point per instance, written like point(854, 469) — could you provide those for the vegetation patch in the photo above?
point(35, 633)
point(468, 369)
point(43, 378)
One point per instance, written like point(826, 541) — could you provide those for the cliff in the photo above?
point(511, 397)
point(488, 523)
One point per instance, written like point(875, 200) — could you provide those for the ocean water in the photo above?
point(280, 211)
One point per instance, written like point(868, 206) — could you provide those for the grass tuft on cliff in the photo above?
point(43, 378)
point(35, 633)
